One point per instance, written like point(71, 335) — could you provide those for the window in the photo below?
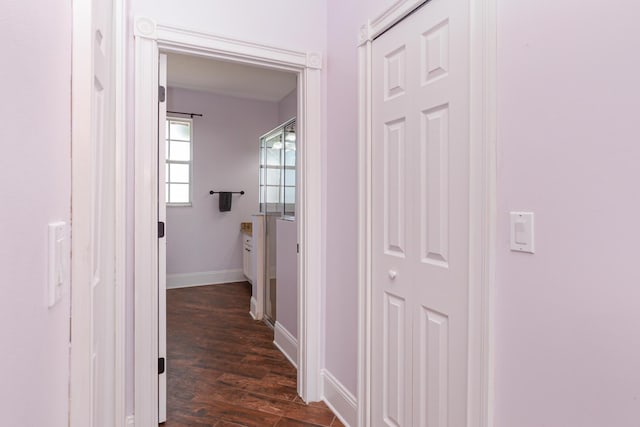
point(178, 162)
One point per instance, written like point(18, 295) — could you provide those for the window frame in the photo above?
point(167, 161)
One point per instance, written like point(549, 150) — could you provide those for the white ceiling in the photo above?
point(227, 78)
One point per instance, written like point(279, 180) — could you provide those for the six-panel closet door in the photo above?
point(420, 220)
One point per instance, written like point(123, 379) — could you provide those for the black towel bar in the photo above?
point(232, 192)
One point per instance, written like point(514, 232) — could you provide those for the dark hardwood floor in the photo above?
point(223, 369)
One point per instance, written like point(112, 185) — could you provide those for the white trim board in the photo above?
point(187, 280)
point(286, 343)
point(81, 102)
point(253, 308)
point(340, 400)
point(121, 12)
point(482, 201)
point(150, 39)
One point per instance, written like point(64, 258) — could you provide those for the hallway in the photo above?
point(223, 369)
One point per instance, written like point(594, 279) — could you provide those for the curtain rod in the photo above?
point(186, 114)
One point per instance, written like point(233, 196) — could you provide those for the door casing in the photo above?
point(482, 218)
point(82, 38)
point(151, 39)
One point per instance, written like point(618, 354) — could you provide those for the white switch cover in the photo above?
point(522, 232)
point(58, 262)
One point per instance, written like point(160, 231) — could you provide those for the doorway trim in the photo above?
point(80, 316)
point(482, 218)
point(151, 39)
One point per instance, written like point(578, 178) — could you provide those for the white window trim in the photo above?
point(190, 163)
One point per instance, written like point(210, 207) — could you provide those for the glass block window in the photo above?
point(278, 170)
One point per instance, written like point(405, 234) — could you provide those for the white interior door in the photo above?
point(420, 219)
point(162, 244)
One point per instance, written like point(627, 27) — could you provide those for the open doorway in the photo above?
point(225, 170)
point(150, 38)
point(227, 194)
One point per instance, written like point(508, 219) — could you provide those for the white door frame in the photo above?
point(482, 216)
point(81, 105)
point(150, 39)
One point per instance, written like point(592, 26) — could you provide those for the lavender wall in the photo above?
point(341, 293)
point(35, 176)
point(293, 24)
point(287, 275)
point(567, 319)
point(200, 238)
point(288, 107)
point(341, 204)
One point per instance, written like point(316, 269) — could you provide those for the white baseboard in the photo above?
point(204, 278)
point(286, 343)
point(339, 399)
point(253, 308)
point(130, 421)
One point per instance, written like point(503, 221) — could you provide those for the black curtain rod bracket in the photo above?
point(185, 114)
point(232, 192)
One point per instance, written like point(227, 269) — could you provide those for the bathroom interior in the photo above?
point(231, 191)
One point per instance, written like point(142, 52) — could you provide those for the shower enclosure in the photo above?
point(277, 197)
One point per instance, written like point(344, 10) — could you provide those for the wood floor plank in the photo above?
point(223, 369)
point(288, 422)
point(223, 423)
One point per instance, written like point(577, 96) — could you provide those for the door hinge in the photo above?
point(297, 247)
point(161, 365)
point(160, 229)
point(161, 93)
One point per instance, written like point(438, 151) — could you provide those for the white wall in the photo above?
point(35, 176)
point(568, 318)
point(200, 238)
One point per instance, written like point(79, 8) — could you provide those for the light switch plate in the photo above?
point(58, 280)
point(522, 232)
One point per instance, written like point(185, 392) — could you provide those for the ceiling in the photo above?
point(227, 78)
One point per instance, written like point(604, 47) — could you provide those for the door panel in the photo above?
point(395, 364)
point(420, 239)
point(432, 358)
point(434, 186)
point(394, 186)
